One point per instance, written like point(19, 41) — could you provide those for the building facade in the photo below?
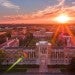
point(43, 52)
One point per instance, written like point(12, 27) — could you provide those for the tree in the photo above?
point(2, 56)
point(71, 67)
point(72, 64)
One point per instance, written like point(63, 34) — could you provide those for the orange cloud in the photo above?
point(41, 16)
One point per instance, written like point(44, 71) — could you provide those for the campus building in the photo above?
point(43, 54)
point(44, 50)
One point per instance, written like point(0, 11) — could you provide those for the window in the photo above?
point(43, 50)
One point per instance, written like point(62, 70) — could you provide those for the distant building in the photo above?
point(10, 43)
point(42, 34)
point(68, 40)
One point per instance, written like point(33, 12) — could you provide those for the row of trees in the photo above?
point(25, 42)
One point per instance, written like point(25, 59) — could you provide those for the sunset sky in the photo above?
point(35, 11)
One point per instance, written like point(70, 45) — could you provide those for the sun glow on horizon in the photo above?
point(62, 18)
